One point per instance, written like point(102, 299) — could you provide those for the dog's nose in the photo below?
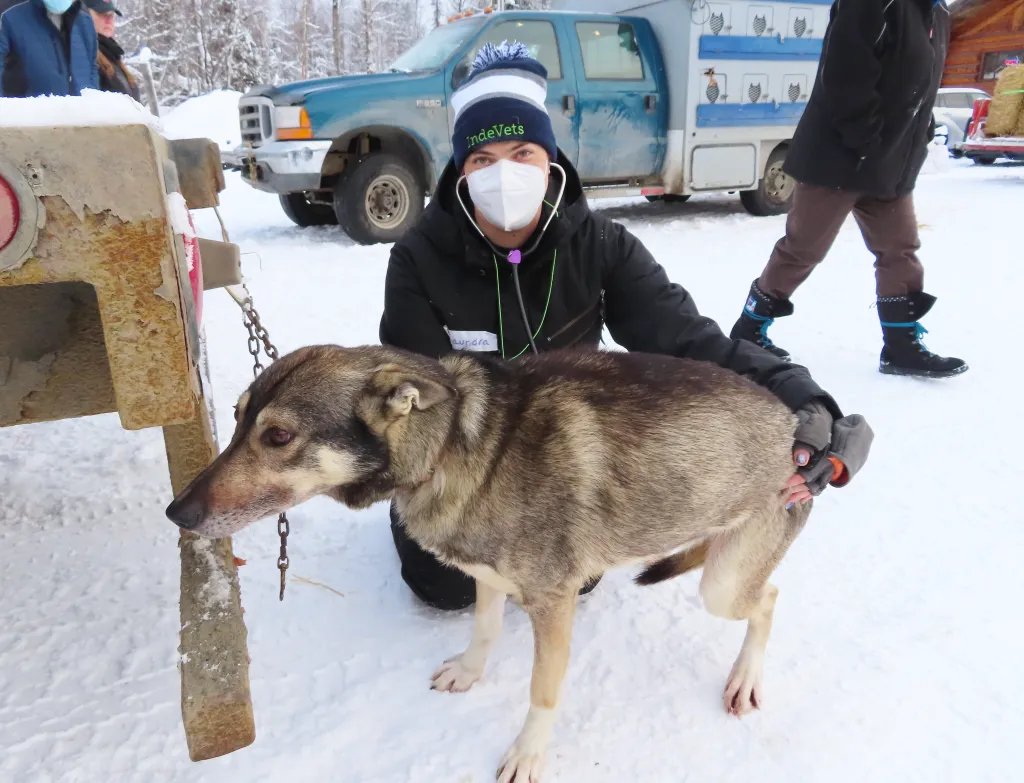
point(187, 511)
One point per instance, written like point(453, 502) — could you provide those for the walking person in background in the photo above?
point(859, 147)
point(114, 77)
point(47, 47)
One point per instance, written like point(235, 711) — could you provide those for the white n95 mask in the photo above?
point(509, 194)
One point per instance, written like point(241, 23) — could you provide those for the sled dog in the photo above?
point(533, 477)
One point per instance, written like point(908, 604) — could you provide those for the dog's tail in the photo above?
point(674, 565)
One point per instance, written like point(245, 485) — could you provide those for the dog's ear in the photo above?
point(404, 388)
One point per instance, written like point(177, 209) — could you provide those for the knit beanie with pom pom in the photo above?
point(502, 100)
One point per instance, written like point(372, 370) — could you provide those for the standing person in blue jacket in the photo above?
point(47, 47)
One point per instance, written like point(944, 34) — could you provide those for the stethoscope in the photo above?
point(515, 257)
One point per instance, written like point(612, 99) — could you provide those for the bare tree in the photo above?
point(386, 31)
point(304, 49)
point(337, 37)
point(204, 60)
point(202, 45)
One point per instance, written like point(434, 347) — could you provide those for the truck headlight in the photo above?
point(292, 123)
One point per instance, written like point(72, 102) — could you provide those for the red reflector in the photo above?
point(652, 191)
point(10, 213)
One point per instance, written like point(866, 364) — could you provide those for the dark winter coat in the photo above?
point(114, 77)
point(869, 118)
point(39, 59)
point(586, 272)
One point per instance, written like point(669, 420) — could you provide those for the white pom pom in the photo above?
point(490, 54)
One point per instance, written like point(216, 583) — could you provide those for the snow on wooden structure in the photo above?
point(986, 36)
point(98, 314)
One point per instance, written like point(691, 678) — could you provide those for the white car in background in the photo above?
point(953, 109)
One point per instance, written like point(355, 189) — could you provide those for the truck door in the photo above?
point(622, 113)
point(540, 38)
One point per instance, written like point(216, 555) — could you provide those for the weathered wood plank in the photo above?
point(216, 705)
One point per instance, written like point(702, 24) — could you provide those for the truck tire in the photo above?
point(379, 199)
point(774, 193)
point(303, 214)
point(985, 160)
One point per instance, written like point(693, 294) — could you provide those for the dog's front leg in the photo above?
point(552, 633)
point(459, 673)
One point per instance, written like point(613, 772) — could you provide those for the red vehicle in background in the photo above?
point(983, 149)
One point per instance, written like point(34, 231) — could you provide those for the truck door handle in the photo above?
point(569, 104)
point(650, 103)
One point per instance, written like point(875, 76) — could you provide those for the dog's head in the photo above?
point(352, 423)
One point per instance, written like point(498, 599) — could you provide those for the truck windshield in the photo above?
point(433, 51)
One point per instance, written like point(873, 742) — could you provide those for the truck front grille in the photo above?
point(256, 120)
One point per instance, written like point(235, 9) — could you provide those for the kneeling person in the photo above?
point(508, 258)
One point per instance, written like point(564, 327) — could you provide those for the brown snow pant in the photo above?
point(889, 228)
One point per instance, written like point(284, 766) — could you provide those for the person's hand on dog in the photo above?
point(826, 452)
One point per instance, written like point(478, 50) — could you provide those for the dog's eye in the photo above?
point(236, 413)
point(275, 436)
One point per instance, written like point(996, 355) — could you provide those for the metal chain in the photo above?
point(283, 529)
point(258, 334)
point(259, 338)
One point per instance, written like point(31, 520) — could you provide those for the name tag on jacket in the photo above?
point(473, 341)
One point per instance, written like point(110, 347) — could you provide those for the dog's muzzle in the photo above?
point(187, 511)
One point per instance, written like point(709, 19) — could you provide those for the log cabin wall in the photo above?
point(985, 34)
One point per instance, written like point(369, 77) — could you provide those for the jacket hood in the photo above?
point(446, 226)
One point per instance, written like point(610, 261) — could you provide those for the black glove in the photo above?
point(846, 442)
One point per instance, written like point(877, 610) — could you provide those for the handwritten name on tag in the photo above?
point(473, 341)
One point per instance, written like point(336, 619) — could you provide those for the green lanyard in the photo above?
point(501, 325)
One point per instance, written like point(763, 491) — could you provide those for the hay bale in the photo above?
point(1020, 124)
point(1007, 103)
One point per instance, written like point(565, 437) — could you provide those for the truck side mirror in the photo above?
point(459, 74)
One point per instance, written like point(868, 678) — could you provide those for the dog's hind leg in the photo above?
point(459, 673)
point(735, 586)
point(552, 633)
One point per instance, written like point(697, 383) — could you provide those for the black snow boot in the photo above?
point(759, 313)
point(903, 353)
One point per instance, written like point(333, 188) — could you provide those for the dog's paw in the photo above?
point(454, 676)
point(522, 764)
point(743, 691)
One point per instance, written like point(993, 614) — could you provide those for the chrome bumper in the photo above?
point(282, 166)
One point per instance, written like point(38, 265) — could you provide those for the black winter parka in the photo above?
point(445, 284)
point(869, 118)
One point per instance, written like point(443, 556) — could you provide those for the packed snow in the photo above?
point(895, 655)
point(216, 113)
point(91, 108)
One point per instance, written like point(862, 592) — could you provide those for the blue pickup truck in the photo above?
point(668, 99)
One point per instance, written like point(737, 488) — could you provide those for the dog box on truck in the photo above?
point(739, 75)
point(663, 100)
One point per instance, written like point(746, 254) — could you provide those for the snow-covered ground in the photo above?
point(214, 115)
point(895, 655)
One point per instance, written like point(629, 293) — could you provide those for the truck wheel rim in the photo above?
point(778, 186)
point(387, 202)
